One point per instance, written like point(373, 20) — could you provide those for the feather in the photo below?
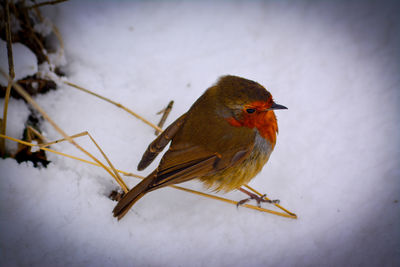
point(159, 143)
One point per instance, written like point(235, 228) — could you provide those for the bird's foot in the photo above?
point(116, 195)
point(257, 198)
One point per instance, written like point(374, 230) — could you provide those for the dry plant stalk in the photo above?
point(32, 131)
point(287, 214)
point(11, 76)
point(63, 139)
point(164, 117)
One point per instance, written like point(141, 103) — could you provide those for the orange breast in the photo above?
point(265, 122)
point(267, 125)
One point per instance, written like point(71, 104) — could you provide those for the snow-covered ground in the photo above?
point(334, 64)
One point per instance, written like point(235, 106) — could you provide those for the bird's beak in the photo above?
point(277, 106)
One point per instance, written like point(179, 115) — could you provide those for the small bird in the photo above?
point(224, 140)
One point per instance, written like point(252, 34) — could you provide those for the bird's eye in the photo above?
point(250, 110)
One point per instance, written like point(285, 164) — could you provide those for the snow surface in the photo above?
point(335, 64)
point(25, 62)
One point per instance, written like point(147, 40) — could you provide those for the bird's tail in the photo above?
point(133, 196)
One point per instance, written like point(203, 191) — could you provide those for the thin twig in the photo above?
point(288, 215)
point(63, 139)
point(164, 117)
point(118, 178)
point(11, 76)
point(4, 120)
point(30, 129)
point(47, 3)
point(114, 103)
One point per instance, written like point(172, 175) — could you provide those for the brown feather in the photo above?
point(184, 172)
point(133, 196)
point(159, 143)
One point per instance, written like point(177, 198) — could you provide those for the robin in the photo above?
point(224, 140)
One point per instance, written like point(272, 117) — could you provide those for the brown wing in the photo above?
point(176, 174)
point(178, 166)
point(160, 142)
point(184, 163)
point(182, 171)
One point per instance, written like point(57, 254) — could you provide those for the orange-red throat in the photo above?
point(258, 115)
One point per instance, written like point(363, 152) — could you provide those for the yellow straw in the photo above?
point(288, 214)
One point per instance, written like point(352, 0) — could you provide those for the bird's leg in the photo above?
point(116, 195)
point(257, 198)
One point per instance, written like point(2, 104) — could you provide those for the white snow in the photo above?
point(44, 27)
point(334, 64)
point(17, 115)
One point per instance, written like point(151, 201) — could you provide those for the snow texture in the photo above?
point(25, 62)
point(334, 64)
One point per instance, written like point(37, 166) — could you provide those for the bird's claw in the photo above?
point(258, 199)
point(241, 202)
point(116, 195)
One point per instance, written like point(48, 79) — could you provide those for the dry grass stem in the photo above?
point(4, 120)
point(32, 131)
point(134, 175)
point(164, 117)
point(62, 139)
point(114, 103)
point(56, 152)
point(289, 215)
point(11, 76)
point(118, 178)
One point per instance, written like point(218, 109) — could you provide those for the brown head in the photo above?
point(246, 103)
